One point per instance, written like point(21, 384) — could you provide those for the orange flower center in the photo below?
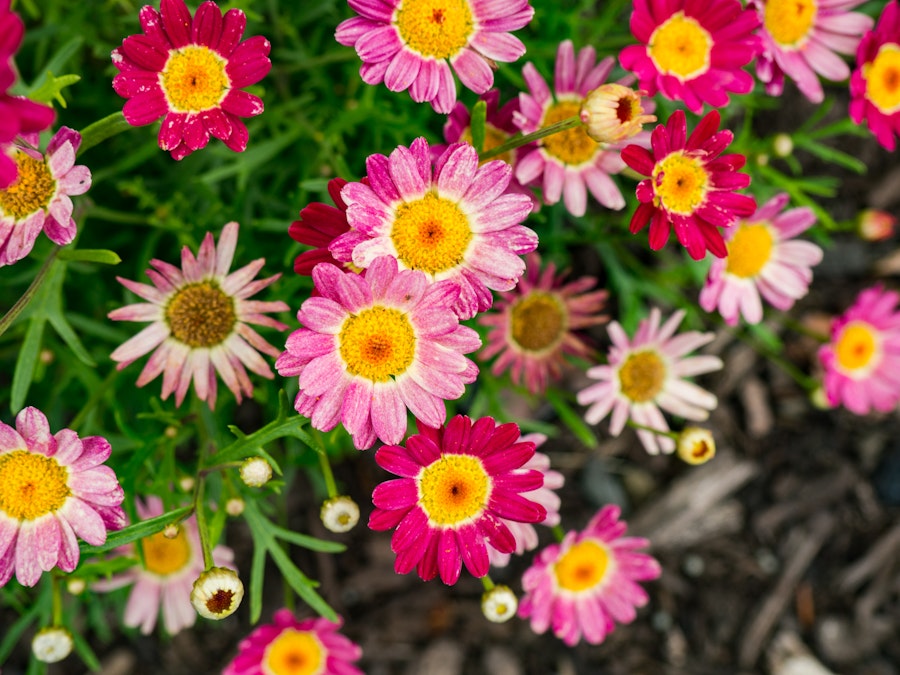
point(194, 79)
point(294, 652)
point(31, 485)
point(857, 347)
point(790, 22)
point(749, 250)
point(435, 28)
point(572, 146)
point(454, 489)
point(378, 343)
point(681, 47)
point(32, 190)
point(680, 183)
point(582, 567)
point(164, 556)
point(642, 376)
point(201, 314)
point(883, 79)
point(431, 234)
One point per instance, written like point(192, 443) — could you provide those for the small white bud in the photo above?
point(256, 472)
point(52, 644)
point(499, 604)
point(186, 484)
point(76, 585)
point(217, 593)
point(782, 145)
point(234, 507)
point(171, 531)
point(339, 514)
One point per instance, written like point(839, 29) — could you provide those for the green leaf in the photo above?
point(304, 540)
point(477, 125)
point(302, 585)
point(132, 533)
point(257, 569)
point(51, 89)
point(11, 634)
point(91, 255)
point(250, 445)
point(64, 330)
point(83, 649)
point(28, 356)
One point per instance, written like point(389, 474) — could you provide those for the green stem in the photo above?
point(798, 327)
point(202, 523)
point(659, 432)
point(57, 600)
point(101, 130)
point(519, 140)
point(29, 294)
point(487, 582)
point(559, 532)
point(327, 474)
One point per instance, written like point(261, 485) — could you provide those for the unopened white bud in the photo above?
point(499, 604)
point(340, 514)
point(217, 593)
point(256, 472)
point(234, 507)
point(52, 644)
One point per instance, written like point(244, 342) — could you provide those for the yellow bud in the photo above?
point(613, 112)
point(696, 445)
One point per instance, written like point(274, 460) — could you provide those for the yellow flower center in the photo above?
point(194, 79)
point(431, 234)
point(294, 652)
point(582, 567)
point(31, 485)
point(749, 250)
point(572, 146)
point(201, 314)
point(680, 183)
point(857, 346)
point(435, 28)
point(454, 489)
point(164, 556)
point(680, 46)
point(642, 376)
point(883, 79)
point(377, 343)
point(493, 137)
point(32, 190)
point(790, 22)
point(538, 321)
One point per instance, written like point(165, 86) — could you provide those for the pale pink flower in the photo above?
point(583, 586)
point(763, 259)
point(54, 488)
point(200, 318)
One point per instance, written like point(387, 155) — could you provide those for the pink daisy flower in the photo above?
point(191, 72)
point(525, 534)
point(19, 115)
point(692, 51)
point(449, 218)
point(690, 186)
point(585, 584)
point(53, 489)
point(411, 44)
point(646, 373)
point(200, 318)
point(165, 579)
point(862, 361)
point(455, 486)
point(39, 199)
point(534, 324)
point(802, 39)
point(569, 163)
point(373, 346)
point(762, 259)
point(291, 647)
point(875, 84)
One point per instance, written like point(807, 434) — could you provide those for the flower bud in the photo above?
point(499, 604)
point(186, 483)
point(234, 507)
point(52, 644)
point(171, 531)
point(339, 514)
point(76, 585)
point(696, 445)
point(217, 593)
point(875, 225)
point(256, 472)
point(783, 145)
point(613, 112)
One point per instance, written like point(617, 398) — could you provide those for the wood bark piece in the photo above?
point(804, 545)
point(882, 553)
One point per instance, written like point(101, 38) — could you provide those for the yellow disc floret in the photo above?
point(194, 79)
point(32, 190)
point(582, 567)
point(538, 321)
point(857, 347)
point(681, 47)
point(431, 234)
point(454, 489)
point(294, 652)
point(201, 314)
point(164, 556)
point(790, 22)
point(680, 183)
point(749, 250)
point(31, 485)
point(435, 28)
point(883, 79)
point(642, 376)
point(572, 146)
point(378, 343)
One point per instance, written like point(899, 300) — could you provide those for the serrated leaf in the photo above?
point(51, 89)
point(90, 255)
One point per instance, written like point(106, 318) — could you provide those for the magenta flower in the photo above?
point(875, 84)
point(862, 361)
point(449, 218)
point(53, 489)
point(690, 187)
point(20, 116)
point(318, 226)
point(535, 323)
point(200, 318)
point(692, 51)
point(373, 346)
point(570, 163)
point(412, 44)
point(646, 373)
point(586, 584)
point(525, 534)
point(191, 72)
point(291, 647)
point(763, 259)
point(455, 486)
point(802, 39)
point(165, 579)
